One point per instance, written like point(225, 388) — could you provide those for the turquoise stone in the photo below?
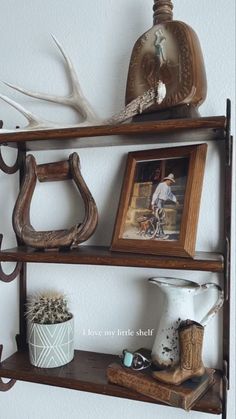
point(128, 359)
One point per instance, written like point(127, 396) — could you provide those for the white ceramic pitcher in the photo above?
point(178, 306)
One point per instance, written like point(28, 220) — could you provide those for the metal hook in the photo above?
point(9, 277)
point(11, 169)
point(5, 386)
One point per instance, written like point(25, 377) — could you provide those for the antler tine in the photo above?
point(43, 96)
point(34, 121)
point(73, 75)
point(78, 100)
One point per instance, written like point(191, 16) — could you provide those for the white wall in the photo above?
point(99, 36)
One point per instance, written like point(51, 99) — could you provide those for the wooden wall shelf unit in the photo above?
point(87, 371)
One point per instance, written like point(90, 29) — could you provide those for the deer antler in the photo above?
point(77, 100)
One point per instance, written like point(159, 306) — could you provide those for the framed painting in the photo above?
point(160, 200)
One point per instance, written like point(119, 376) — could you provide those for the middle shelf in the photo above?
point(101, 255)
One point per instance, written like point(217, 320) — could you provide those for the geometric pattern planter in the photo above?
point(51, 345)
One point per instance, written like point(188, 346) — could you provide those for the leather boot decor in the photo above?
point(190, 365)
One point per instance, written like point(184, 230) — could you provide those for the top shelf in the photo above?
point(200, 129)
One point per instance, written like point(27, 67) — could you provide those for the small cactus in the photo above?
point(48, 308)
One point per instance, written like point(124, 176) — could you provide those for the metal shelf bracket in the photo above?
point(5, 386)
point(9, 277)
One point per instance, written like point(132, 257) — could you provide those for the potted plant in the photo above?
point(50, 330)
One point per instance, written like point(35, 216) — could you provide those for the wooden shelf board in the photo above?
point(98, 255)
point(87, 372)
point(200, 129)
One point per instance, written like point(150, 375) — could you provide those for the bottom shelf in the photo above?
point(87, 372)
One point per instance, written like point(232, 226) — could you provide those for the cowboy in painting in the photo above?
point(162, 194)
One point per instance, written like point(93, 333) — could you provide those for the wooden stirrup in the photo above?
point(63, 170)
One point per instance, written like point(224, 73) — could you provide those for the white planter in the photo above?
point(51, 345)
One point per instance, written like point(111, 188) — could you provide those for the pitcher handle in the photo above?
point(218, 304)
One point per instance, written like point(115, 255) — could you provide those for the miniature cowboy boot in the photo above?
point(190, 365)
